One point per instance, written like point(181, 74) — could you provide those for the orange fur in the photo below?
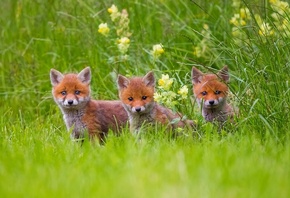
point(72, 94)
point(136, 95)
point(210, 91)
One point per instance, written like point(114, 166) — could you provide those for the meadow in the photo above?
point(248, 158)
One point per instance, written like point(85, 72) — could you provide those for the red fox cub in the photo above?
point(71, 93)
point(210, 91)
point(136, 95)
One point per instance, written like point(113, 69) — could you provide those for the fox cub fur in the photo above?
point(72, 94)
point(210, 91)
point(136, 95)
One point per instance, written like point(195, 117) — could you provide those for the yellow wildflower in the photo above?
point(157, 97)
point(243, 22)
point(197, 51)
point(169, 99)
point(157, 50)
point(265, 29)
point(113, 9)
point(123, 44)
point(280, 7)
point(165, 82)
point(124, 40)
point(245, 13)
point(183, 91)
point(103, 29)
point(114, 13)
point(234, 20)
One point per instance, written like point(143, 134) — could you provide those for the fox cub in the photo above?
point(136, 95)
point(71, 93)
point(210, 91)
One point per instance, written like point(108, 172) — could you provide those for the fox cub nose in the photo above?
point(138, 109)
point(70, 102)
point(211, 102)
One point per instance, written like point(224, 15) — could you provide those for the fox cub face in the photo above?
point(137, 93)
point(71, 91)
point(210, 90)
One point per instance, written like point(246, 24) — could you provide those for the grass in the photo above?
point(248, 159)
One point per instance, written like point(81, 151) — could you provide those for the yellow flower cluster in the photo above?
point(114, 12)
point(104, 29)
point(123, 44)
point(279, 6)
point(241, 18)
point(183, 91)
point(265, 29)
point(121, 23)
point(157, 51)
point(239, 22)
point(165, 82)
point(280, 16)
point(166, 96)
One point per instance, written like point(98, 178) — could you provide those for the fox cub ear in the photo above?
point(224, 74)
point(196, 75)
point(122, 81)
point(55, 77)
point(85, 75)
point(149, 79)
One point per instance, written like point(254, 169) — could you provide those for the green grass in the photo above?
point(250, 158)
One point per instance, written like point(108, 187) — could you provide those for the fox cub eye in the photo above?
point(63, 93)
point(144, 97)
point(217, 92)
point(77, 92)
point(130, 99)
point(203, 93)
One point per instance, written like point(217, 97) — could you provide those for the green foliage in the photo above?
point(248, 158)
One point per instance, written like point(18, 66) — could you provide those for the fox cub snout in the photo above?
point(210, 91)
point(136, 95)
